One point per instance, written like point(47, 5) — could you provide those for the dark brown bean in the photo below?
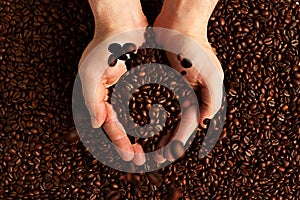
point(112, 60)
point(115, 48)
point(186, 63)
point(129, 47)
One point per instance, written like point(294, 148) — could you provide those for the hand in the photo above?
point(191, 19)
point(97, 77)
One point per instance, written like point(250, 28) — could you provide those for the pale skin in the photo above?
point(186, 16)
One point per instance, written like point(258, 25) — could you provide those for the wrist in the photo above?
point(116, 11)
point(112, 17)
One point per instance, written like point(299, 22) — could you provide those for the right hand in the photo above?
point(191, 19)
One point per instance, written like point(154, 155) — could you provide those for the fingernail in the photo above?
point(139, 157)
point(95, 123)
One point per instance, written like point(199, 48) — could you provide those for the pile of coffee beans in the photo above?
point(150, 98)
point(149, 107)
point(150, 104)
point(257, 156)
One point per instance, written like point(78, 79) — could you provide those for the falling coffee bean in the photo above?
point(129, 64)
point(136, 58)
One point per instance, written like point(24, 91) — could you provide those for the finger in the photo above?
point(208, 85)
point(139, 155)
point(183, 131)
point(175, 150)
point(205, 107)
point(158, 155)
point(96, 106)
point(211, 96)
point(95, 99)
point(97, 76)
point(114, 131)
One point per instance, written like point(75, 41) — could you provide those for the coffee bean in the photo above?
point(71, 136)
point(155, 178)
point(113, 195)
point(115, 48)
point(129, 47)
point(123, 57)
point(186, 63)
point(129, 64)
point(112, 60)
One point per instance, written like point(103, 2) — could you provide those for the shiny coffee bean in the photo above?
point(112, 60)
point(129, 47)
point(123, 57)
point(186, 63)
point(115, 48)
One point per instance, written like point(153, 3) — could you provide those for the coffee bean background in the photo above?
point(257, 157)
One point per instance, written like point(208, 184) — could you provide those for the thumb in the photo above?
point(96, 77)
point(93, 83)
point(94, 88)
point(95, 97)
point(95, 102)
point(211, 95)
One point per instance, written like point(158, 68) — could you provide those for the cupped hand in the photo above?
point(96, 75)
point(190, 18)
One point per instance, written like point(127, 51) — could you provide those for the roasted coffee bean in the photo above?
point(115, 48)
point(129, 47)
point(113, 195)
point(129, 64)
point(155, 178)
point(136, 58)
point(123, 57)
point(112, 60)
point(142, 102)
point(186, 63)
point(71, 136)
